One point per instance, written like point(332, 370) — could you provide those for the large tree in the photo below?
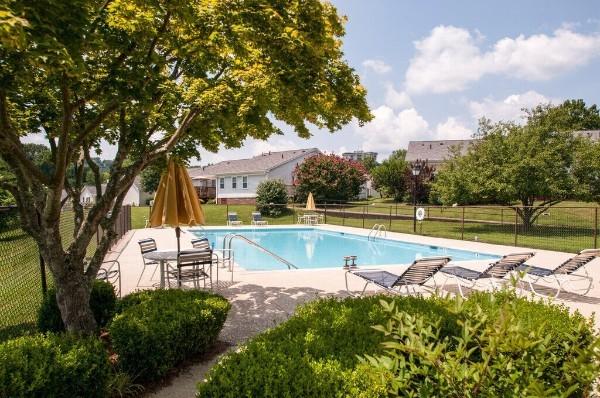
point(329, 178)
point(151, 78)
point(530, 164)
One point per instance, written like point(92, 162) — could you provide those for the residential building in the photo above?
point(135, 196)
point(436, 152)
point(358, 156)
point(236, 180)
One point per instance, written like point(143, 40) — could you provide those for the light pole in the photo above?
point(416, 170)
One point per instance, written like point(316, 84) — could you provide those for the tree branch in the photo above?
point(96, 170)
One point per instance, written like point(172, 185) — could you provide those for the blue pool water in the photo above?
point(308, 248)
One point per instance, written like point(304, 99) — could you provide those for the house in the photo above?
point(359, 156)
point(135, 196)
point(236, 181)
point(436, 152)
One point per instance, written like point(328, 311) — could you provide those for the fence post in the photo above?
point(325, 212)
point(363, 216)
point(343, 214)
point(294, 218)
point(227, 212)
point(595, 228)
point(462, 225)
point(390, 226)
point(42, 266)
point(516, 224)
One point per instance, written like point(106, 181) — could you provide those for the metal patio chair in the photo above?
point(564, 274)
point(416, 275)
point(493, 274)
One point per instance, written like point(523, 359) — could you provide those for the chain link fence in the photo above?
point(23, 277)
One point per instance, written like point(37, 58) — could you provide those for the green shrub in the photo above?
point(53, 366)
point(271, 192)
point(103, 302)
point(317, 351)
point(507, 347)
point(157, 329)
point(314, 353)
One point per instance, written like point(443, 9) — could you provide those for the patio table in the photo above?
point(162, 256)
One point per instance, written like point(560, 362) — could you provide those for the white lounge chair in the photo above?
point(257, 219)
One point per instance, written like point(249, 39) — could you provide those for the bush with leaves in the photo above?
point(155, 330)
point(271, 197)
point(316, 352)
point(329, 177)
point(54, 366)
point(103, 302)
point(500, 351)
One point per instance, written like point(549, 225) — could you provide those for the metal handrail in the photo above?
point(376, 231)
point(231, 236)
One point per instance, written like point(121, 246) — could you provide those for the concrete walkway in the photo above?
point(262, 299)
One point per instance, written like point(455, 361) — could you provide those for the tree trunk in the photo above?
point(72, 294)
point(73, 299)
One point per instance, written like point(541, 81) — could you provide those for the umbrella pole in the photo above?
point(178, 235)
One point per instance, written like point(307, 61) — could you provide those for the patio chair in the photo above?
point(201, 243)
point(232, 219)
point(564, 274)
point(146, 246)
point(493, 274)
point(257, 219)
point(416, 275)
point(188, 267)
point(111, 274)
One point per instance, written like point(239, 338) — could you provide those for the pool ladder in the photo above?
point(377, 230)
point(228, 239)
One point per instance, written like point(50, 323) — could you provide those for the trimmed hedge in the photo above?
point(318, 351)
point(103, 302)
point(54, 366)
point(155, 330)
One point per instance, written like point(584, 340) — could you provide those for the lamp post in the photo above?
point(416, 170)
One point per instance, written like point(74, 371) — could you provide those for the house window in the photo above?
point(245, 182)
point(234, 182)
point(221, 183)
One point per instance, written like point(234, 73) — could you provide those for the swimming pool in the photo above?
point(311, 248)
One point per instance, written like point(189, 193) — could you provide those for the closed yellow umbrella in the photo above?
point(310, 202)
point(176, 202)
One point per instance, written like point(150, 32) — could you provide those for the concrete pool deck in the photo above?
point(262, 299)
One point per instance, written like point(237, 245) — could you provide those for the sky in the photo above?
point(433, 68)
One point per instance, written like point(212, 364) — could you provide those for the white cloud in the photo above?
point(450, 58)
point(397, 99)
point(452, 129)
point(390, 130)
point(509, 108)
point(377, 66)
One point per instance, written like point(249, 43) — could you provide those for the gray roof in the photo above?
point(435, 151)
point(591, 134)
point(258, 164)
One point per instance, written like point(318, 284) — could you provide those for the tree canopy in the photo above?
point(329, 178)
point(152, 78)
point(530, 164)
point(390, 176)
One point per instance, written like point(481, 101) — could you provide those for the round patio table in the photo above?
point(162, 256)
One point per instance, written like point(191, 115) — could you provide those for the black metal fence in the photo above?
point(560, 228)
point(23, 276)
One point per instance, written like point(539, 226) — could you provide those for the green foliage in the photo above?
point(512, 163)
point(329, 177)
point(151, 175)
point(54, 366)
point(506, 347)
point(316, 352)
point(586, 169)
point(158, 329)
point(391, 177)
point(271, 191)
point(103, 302)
